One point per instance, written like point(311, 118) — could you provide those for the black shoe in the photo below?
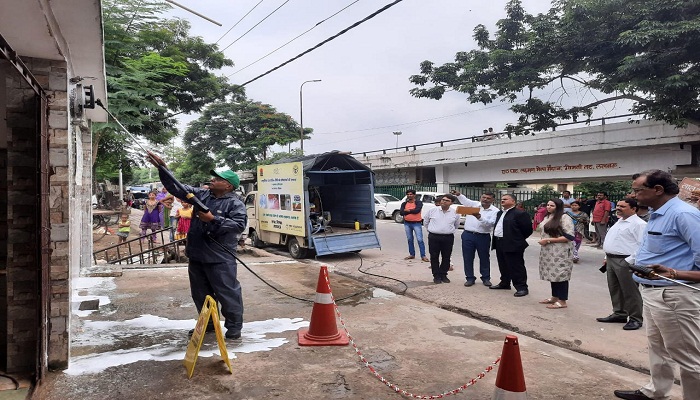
point(499, 286)
point(210, 328)
point(437, 280)
point(445, 280)
point(631, 395)
point(520, 293)
point(487, 283)
point(612, 318)
point(632, 325)
point(233, 335)
point(468, 283)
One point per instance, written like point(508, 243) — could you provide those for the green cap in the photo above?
point(228, 175)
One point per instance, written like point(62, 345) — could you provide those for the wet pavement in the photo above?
point(132, 346)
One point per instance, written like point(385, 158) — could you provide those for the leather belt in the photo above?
point(655, 286)
point(476, 233)
point(615, 255)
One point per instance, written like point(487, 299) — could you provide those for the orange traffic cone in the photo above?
point(323, 330)
point(510, 381)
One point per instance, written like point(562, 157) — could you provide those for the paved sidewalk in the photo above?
point(132, 346)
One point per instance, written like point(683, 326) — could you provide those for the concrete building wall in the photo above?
point(611, 151)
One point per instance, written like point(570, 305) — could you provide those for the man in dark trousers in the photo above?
point(512, 228)
point(212, 269)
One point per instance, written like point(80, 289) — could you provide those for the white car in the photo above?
point(428, 199)
point(380, 202)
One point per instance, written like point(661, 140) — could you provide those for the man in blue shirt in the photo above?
point(671, 311)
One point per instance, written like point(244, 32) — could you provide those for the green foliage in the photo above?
point(613, 189)
point(239, 133)
point(546, 189)
point(642, 51)
point(155, 70)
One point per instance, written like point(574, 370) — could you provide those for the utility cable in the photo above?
point(226, 249)
point(254, 26)
point(359, 268)
point(374, 14)
point(238, 22)
point(307, 31)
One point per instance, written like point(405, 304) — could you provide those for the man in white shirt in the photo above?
point(623, 239)
point(441, 223)
point(476, 237)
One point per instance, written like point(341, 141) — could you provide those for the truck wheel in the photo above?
point(381, 215)
point(295, 249)
point(398, 218)
point(255, 240)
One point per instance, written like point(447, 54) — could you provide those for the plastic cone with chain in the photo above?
point(323, 330)
point(510, 381)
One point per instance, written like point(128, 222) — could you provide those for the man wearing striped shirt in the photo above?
point(442, 223)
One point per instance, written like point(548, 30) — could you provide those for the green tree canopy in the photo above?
point(614, 189)
point(642, 51)
point(239, 133)
point(155, 70)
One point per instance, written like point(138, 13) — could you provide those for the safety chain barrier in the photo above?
point(393, 386)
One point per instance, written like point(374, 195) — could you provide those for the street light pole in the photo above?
point(301, 112)
point(397, 133)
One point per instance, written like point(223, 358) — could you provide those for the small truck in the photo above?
point(322, 203)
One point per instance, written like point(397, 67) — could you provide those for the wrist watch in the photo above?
point(549, 241)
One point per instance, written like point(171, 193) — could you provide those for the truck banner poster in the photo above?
point(281, 198)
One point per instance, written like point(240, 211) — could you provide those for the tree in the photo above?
point(614, 188)
point(641, 51)
point(239, 133)
point(155, 70)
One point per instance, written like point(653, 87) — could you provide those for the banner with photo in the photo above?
point(281, 198)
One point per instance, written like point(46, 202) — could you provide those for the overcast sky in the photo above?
point(364, 93)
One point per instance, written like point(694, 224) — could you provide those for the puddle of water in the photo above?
point(378, 293)
point(171, 336)
point(369, 294)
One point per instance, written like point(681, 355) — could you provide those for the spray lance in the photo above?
point(646, 272)
point(189, 197)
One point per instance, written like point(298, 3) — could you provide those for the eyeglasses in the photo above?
point(637, 190)
point(217, 179)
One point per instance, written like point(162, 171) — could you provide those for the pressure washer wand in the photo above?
point(189, 197)
point(99, 103)
point(645, 272)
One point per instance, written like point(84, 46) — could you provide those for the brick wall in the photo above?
point(23, 220)
point(22, 268)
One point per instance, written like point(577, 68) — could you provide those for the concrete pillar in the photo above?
point(443, 186)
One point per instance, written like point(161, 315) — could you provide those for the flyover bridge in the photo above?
point(609, 151)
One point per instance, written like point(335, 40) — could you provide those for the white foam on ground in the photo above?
point(86, 284)
point(172, 338)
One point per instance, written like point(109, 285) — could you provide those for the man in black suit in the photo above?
point(512, 227)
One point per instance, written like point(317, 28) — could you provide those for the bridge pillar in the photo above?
point(443, 186)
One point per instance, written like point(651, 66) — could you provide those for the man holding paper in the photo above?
point(476, 237)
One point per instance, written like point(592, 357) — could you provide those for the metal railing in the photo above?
point(399, 191)
point(141, 250)
point(530, 198)
point(480, 138)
